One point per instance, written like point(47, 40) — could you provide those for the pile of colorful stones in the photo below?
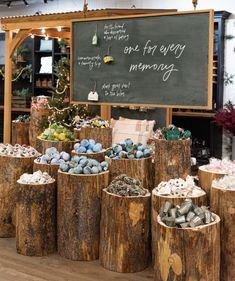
point(87, 146)
point(127, 149)
point(227, 182)
point(125, 186)
point(53, 156)
point(36, 178)
point(57, 132)
point(92, 123)
point(83, 165)
point(224, 166)
point(185, 215)
point(18, 150)
point(172, 133)
point(22, 118)
point(179, 188)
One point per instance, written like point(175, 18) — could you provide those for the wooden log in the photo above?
point(187, 254)
point(158, 201)
point(78, 214)
point(36, 219)
point(172, 159)
point(99, 156)
point(205, 180)
point(38, 122)
point(20, 133)
point(101, 135)
point(223, 203)
point(140, 169)
point(52, 170)
point(11, 168)
point(125, 232)
point(42, 145)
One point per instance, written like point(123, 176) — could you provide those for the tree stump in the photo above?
point(78, 214)
point(38, 122)
point(101, 135)
point(172, 159)
point(20, 133)
point(140, 169)
point(99, 156)
point(158, 201)
point(125, 232)
point(42, 145)
point(187, 254)
point(11, 168)
point(223, 203)
point(206, 178)
point(36, 219)
point(52, 170)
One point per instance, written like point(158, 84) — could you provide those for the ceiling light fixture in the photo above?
point(9, 4)
point(26, 3)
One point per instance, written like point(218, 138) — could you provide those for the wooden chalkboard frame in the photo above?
point(210, 59)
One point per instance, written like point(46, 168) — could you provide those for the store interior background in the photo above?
point(56, 6)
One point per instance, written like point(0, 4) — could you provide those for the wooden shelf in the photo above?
point(43, 52)
point(41, 74)
point(61, 54)
point(193, 114)
point(20, 109)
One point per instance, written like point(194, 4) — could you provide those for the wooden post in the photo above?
point(101, 135)
point(187, 254)
point(159, 200)
point(105, 112)
point(125, 232)
point(38, 121)
point(36, 219)
point(206, 178)
point(11, 168)
point(99, 156)
point(78, 214)
point(172, 159)
point(140, 169)
point(7, 88)
point(223, 203)
point(52, 170)
point(42, 145)
point(20, 133)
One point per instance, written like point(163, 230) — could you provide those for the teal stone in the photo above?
point(187, 134)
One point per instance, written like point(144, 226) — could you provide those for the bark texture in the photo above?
point(36, 219)
point(125, 232)
point(42, 145)
point(78, 214)
point(20, 133)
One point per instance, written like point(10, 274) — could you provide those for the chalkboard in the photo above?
point(158, 60)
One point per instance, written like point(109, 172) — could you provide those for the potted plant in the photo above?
point(226, 119)
point(21, 98)
point(20, 52)
point(63, 44)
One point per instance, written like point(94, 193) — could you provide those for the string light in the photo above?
point(32, 35)
point(43, 30)
point(46, 37)
point(59, 39)
point(59, 28)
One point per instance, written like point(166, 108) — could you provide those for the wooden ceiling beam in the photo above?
point(52, 33)
point(18, 39)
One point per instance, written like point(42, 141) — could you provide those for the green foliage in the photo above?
point(57, 132)
point(21, 50)
point(228, 79)
point(24, 92)
point(229, 37)
point(63, 43)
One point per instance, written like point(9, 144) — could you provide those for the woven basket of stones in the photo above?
point(14, 161)
point(188, 243)
point(175, 191)
point(125, 212)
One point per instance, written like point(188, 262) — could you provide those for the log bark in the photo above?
point(99, 156)
point(42, 145)
point(172, 159)
point(20, 133)
point(11, 168)
point(158, 201)
point(101, 135)
point(52, 170)
point(140, 169)
point(187, 254)
point(78, 214)
point(206, 178)
point(125, 232)
point(223, 203)
point(36, 219)
point(38, 122)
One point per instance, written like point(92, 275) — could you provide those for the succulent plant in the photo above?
point(172, 133)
